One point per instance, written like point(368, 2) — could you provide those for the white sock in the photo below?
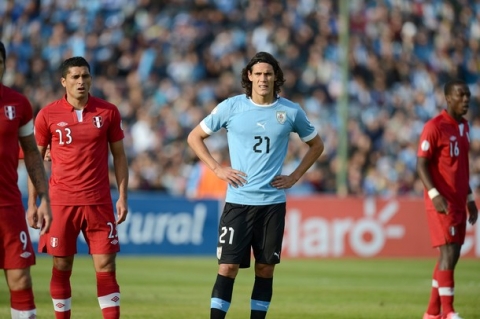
point(23, 314)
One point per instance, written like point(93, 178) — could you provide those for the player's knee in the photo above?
point(104, 263)
point(264, 270)
point(63, 263)
point(19, 279)
point(228, 270)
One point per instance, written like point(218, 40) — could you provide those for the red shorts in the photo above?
point(445, 229)
point(96, 222)
point(16, 250)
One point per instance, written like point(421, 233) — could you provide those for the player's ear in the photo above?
point(448, 98)
point(62, 81)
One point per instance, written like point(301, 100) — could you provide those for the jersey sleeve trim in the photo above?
point(26, 129)
point(205, 128)
point(309, 137)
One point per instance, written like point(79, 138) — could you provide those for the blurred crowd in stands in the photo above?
point(166, 64)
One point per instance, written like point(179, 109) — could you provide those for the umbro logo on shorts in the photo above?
point(25, 254)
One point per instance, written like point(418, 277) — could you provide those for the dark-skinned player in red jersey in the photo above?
point(443, 166)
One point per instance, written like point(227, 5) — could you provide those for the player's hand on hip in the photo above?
point(283, 181)
point(232, 176)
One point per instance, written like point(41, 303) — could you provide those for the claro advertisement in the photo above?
point(363, 227)
point(316, 227)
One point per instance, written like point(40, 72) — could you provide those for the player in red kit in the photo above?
point(443, 166)
point(16, 251)
point(80, 129)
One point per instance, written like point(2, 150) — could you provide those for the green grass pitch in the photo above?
point(179, 288)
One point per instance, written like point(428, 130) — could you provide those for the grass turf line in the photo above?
point(180, 287)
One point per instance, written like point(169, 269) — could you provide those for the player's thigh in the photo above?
point(456, 226)
point(61, 239)
point(445, 229)
point(268, 233)
point(235, 234)
point(16, 250)
point(100, 230)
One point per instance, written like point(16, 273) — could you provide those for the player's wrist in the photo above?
point(44, 196)
point(433, 192)
point(470, 198)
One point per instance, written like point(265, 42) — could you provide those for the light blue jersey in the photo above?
point(258, 137)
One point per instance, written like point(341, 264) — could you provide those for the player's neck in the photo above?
point(455, 116)
point(78, 104)
point(263, 99)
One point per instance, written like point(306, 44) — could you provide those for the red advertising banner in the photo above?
point(362, 227)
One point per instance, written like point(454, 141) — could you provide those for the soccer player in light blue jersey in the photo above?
point(258, 125)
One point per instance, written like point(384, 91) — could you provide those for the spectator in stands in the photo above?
point(150, 54)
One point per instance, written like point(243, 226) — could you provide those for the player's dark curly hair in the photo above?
point(3, 52)
point(447, 89)
point(262, 57)
point(72, 62)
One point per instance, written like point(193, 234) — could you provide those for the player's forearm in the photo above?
point(424, 174)
point(204, 155)
point(37, 184)
point(33, 157)
point(313, 153)
point(32, 193)
point(121, 175)
point(196, 142)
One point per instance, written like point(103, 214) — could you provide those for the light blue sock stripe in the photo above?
point(259, 305)
point(218, 303)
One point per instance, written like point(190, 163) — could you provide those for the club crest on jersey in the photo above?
point(10, 112)
point(54, 241)
point(281, 116)
point(98, 121)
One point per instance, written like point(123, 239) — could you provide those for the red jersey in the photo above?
point(15, 120)
point(446, 143)
point(79, 145)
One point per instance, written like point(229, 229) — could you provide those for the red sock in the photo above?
point(108, 293)
point(434, 303)
point(22, 300)
point(446, 287)
point(61, 293)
